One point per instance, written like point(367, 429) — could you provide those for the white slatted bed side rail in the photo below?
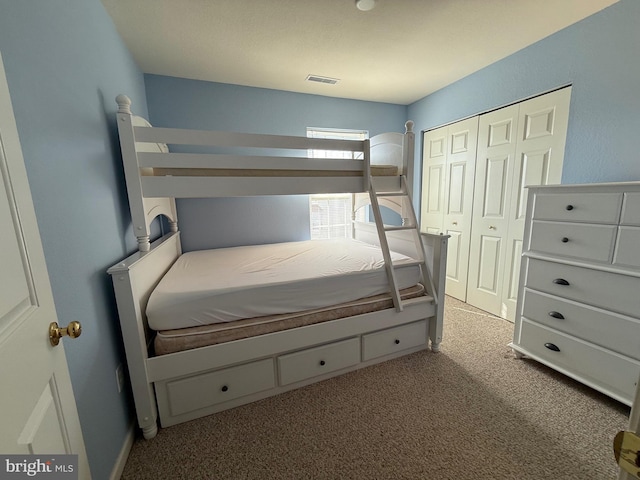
point(245, 162)
point(207, 138)
point(205, 187)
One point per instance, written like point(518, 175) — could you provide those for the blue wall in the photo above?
point(65, 64)
point(210, 223)
point(599, 57)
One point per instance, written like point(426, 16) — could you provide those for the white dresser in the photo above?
point(579, 295)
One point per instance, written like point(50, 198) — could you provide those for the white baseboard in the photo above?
point(121, 461)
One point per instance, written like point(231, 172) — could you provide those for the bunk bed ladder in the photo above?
point(410, 225)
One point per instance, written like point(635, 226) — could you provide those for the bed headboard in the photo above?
point(395, 149)
point(144, 210)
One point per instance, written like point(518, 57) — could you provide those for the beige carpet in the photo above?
point(472, 411)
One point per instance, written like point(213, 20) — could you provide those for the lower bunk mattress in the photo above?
point(171, 341)
point(229, 285)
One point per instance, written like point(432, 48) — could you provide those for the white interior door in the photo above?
point(542, 132)
point(39, 414)
point(497, 138)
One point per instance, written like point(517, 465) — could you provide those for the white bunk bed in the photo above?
point(196, 369)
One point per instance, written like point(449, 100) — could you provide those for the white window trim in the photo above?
point(336, 224)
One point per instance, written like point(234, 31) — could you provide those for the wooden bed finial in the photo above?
point(409, 126)
point(124, 104)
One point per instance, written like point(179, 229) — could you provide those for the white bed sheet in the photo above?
point(227, 284)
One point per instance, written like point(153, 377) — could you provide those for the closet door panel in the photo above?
point(497, 137)
point(542, 129)
point(447, 194)
point(461, 167)
point(434, 159)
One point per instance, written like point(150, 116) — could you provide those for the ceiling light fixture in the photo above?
point(365, 5)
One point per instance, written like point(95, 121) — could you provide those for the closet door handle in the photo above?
point(557, 315)
point(560, 281)
point(552, 346)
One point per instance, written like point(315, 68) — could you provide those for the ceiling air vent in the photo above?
point(319, 79)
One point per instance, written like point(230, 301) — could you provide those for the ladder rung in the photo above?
point(391, 194)
point(403, 227)
point(413, 263)
point(416, 300)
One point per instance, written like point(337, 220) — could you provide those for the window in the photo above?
point(330, 213)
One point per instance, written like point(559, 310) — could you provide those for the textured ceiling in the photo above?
point(399, 52)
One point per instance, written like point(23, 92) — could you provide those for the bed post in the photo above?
point(437, 246)
point(408, 148)
point(131, 172)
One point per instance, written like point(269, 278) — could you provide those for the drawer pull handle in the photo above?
point(322, 363)
point(565, 239)
point(397, 342)
point(552, 346)
point(557, 315)
point(560, 281)
point(224, 388)
point(569, 207)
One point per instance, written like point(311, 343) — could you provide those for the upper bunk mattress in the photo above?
point(227, 284)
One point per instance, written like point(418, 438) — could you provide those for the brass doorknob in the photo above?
point(73, 330)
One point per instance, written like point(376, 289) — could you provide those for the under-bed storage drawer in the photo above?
point(393, 340)
point(612, 372)
point(318, 361)
point(207, 389)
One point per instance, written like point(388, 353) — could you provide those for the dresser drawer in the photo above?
point(610, 291)
point(614, 373)
point(627, 253)
point(578, 207)
point(207, 389)
point(318, 361)
point(393, 340)
point(631, 209)
point(577, 240)
point(609, 330)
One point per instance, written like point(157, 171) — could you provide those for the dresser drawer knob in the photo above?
point(322, 363)
point(565, 239)
point(560, 281)
point(552, 346)
point(224, 388)
point(557, 315)
point(397, 342)
point(569, 207)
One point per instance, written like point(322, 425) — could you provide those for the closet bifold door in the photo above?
point(448, 175)
point(518, 146)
